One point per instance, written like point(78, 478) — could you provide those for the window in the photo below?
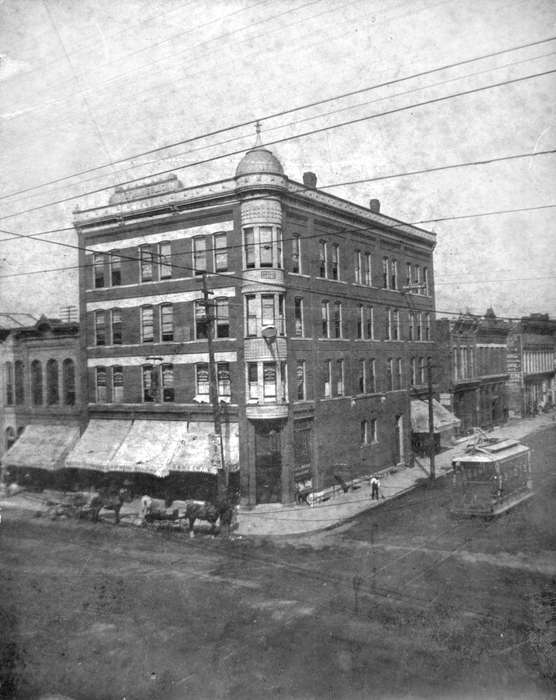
point(251, 314)
point(149, 384)
point(298, 315)
point(357, 267)
point(220, 252)
point(52, 395)
point(326, 379)
point(413, 370)
point(116, 323)
point(373, 430)
point(387, 324)
point(269, 380)
point(115, 270)
point(296, 253)
point(362, 377)
point(201, 324)
point(395, 319)
point(339, 377)
point(166, 322)
point(389, 375)
point(370, 323)
point(167, 371)
point(147, 327)
point(98, 270)
point(100, 334)
point(300, 380)
point(146, 264)
point(364, 432)
point(394, 274)
point(253, 380)
point(368, 269)
point(267, 310)
point(427, 326)
point(165, 260)
point(322, 258)
point(360, 322)
point(117, 384)
point(249, 239)
point(325, 318)
point(222, 318)
point(408, 275)
point(385, 278)
point(202, 379)
point(399, 372)
point(68, 382)
point(36, 383)
point(281, 324)
point(426, 290)
point(100, 384)
point(224, 380)
point(199, 255)
point(422, 371)
point(417, 278)
point(335, 262)
point(372, 376)
point(411, 327)
point(265, 246)
point(337, 319)
point(9, 379)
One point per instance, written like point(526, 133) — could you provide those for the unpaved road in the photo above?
point(402, 602)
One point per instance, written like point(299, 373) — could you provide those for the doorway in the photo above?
point(268, 462)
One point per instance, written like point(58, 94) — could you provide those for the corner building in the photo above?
point(322, 323)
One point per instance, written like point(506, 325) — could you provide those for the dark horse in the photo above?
point(211, 513)
point(110, 499)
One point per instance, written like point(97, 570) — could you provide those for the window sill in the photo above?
point(301, 274)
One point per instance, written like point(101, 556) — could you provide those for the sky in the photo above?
point(84, 84)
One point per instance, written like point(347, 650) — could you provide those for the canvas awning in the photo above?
point(98, 444)
point(199, 449)
point(42, 446)
point(148, 447)
point(443, 419)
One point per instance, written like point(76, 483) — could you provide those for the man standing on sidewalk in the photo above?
point(374, 488)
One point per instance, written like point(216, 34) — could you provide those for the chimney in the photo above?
point(310, 180)
point(374, 206)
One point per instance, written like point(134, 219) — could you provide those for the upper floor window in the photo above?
point(117, 384)
point(52, 396)
point(167, 382)
point(426, 289)
point(408, 279)
point(200, 255)
point(413, 370)
point(253, 380)
point(422, 370)
point(269, 380)
point(357, 265)
point(394, 274)
point(418, 325)
point(427, 326)
point(251, 314)
point(249, 241)
point(115, 270)
point(116, 322)
point(323, 259)
point(202, 380)
point(265, 246)
point(360, 322)
point(326, 390)
point(201, 321)
point(165, 260)
point(389, 374)
point(19, 383)
point(224, 380)
point(262, 246)
point(340, 387)
point(147, 324)
point(298, 316)
point(149, 384)
point(296, 253)
point(146, 263)
point(370, 323)
point(411, 326)
point(335, 262)
point(36, 383)
point(100, 332)
point(100, 385)
point(325, 318)
point(9, 383)
point(337, 319)
point(368, 269)
point(300, 380)
point(371, 383)
point(364, 432)
point(399, 373)
point(166, 322)
point(68, 381)
point(222, 319)
point(220, 252)
point(98, 270)
point(385, 278)
point(417, 278)
point(394, 324)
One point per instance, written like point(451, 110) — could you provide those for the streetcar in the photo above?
point(490, 478)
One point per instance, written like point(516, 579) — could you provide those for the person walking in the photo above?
point(375, 483)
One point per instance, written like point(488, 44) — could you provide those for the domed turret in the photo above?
point(259, 160)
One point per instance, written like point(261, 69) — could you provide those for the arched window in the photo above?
point(19, 383)
point(9, 383)
point(36, 382)
point(52, 396)
point(68, 378)
point(10, 437)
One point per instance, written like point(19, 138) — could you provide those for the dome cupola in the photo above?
point(259, 160)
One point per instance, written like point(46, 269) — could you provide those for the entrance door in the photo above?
point(268, 462)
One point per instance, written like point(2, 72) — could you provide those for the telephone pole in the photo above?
point(213, 381)
point(431, 420)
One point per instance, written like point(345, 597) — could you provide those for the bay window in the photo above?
point(262, 246)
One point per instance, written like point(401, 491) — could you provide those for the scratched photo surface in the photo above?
point(277, 349)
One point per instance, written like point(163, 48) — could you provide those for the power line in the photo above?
point(274, 115)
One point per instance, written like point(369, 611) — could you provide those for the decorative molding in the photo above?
point(169, 298)
point(174, 358)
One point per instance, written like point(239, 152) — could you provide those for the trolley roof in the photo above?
point(494, 452)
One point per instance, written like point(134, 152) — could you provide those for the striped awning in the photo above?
point(443, 419)
point(42, 446)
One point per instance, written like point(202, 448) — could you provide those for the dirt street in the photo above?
point(401, 602)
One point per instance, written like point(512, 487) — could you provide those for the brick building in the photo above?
point(473, 368)
point(532, 383)
point(322, 321)
point(41, 395)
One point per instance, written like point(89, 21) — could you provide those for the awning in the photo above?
point(199, 449)
point(98, 444)
point(148, 447)
point(42, 446)
point(442, 418)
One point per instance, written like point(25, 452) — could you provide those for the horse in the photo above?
point(210, 512)
point(109, 499)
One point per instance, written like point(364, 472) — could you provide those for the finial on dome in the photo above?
point(258, 141)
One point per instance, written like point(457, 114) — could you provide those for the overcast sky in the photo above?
point(87, 82)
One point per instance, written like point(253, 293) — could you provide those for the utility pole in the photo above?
point(431, 420)
point(213, 380)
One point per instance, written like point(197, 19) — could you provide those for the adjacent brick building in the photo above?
point(322, 321)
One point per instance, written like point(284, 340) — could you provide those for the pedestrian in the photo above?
point(375, 483)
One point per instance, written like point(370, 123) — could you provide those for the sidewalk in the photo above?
point(277, 519)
